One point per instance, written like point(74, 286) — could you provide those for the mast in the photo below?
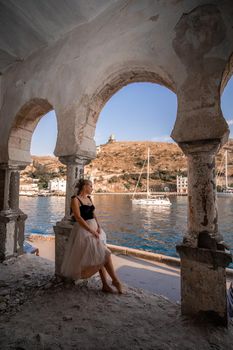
point(226, 171)
point(148, 172)
point(139, 178)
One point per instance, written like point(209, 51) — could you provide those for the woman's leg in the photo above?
point(110, 269)
point(103, 275)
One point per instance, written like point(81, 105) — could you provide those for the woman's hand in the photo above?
point(98, 229)
point(94, 233)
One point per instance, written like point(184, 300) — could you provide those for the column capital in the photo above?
point(75, 160)
point(202, 146)
point(14, 166)
point(75, 171)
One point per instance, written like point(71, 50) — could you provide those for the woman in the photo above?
point(86, 253)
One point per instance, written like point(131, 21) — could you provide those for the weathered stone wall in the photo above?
point(184, 45)
point(181, 45)
point(203, 283)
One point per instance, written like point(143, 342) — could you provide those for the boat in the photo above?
point(155, 200)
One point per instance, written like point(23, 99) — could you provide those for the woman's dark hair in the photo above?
point(79, 185)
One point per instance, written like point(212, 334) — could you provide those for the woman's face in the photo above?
point(88, 187)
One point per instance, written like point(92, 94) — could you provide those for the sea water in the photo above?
point(151, 228)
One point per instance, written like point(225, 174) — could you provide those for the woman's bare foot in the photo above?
point(107, 289)
point(118, 286)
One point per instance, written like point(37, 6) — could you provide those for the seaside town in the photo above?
point(117, 168)
point(104, 180)
point(57, 186)
point(116, 175)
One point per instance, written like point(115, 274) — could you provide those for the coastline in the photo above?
point(108, 193)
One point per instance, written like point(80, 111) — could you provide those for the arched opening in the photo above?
point(138, 115)
point(24, 125)
point(33, 137)
point(46, 127)
point(17, 158)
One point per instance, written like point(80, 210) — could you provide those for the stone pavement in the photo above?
point(152, 276)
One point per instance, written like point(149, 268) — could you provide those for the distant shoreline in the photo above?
point(144, 193)
point(104, 193)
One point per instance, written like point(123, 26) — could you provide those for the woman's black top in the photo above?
point(86, 211)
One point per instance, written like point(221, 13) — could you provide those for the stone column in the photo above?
point(203, 254)
point(75, 171)
point(12, 219)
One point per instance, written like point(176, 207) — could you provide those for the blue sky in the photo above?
point(137, 112)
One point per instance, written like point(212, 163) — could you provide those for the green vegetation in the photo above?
point(100, 190)
point(113, 179)
point(127, 186)
point(62, 171)
point(45, 177)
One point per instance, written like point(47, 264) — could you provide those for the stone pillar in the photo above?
point(203, 254)
point(75, 171)
point(12, 219)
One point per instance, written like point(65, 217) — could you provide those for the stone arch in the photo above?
point(198, 41)
point(113, 83)
point(118, 80)
point(227, 74)
point(80, 147)
point(22, 129)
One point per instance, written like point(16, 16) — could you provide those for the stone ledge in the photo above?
point(152, 256)
point(144, 255)
point(216, 258)
point(12, 215)
point(133, 252)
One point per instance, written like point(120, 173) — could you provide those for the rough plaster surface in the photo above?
point(198, 34)
point(185, 46)
point(33, 25)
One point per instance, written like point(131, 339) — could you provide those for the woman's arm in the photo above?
point(95, 217)
point(76, 211)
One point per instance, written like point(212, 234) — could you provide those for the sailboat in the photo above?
point(150, 199)
point(228, 191)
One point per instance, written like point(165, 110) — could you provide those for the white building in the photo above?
point(182, 184)
point(57, 185)
point(28, 187)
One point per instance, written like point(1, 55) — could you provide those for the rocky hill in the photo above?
point(44, 164)
point(118, 165)
point(44, 169)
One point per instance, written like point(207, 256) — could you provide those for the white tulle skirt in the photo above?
point(84, 254)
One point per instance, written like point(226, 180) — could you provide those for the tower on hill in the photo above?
point(111, 138)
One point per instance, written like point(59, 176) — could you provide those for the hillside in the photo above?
point(44, 164)
point(118, 165)
point(43, 168)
